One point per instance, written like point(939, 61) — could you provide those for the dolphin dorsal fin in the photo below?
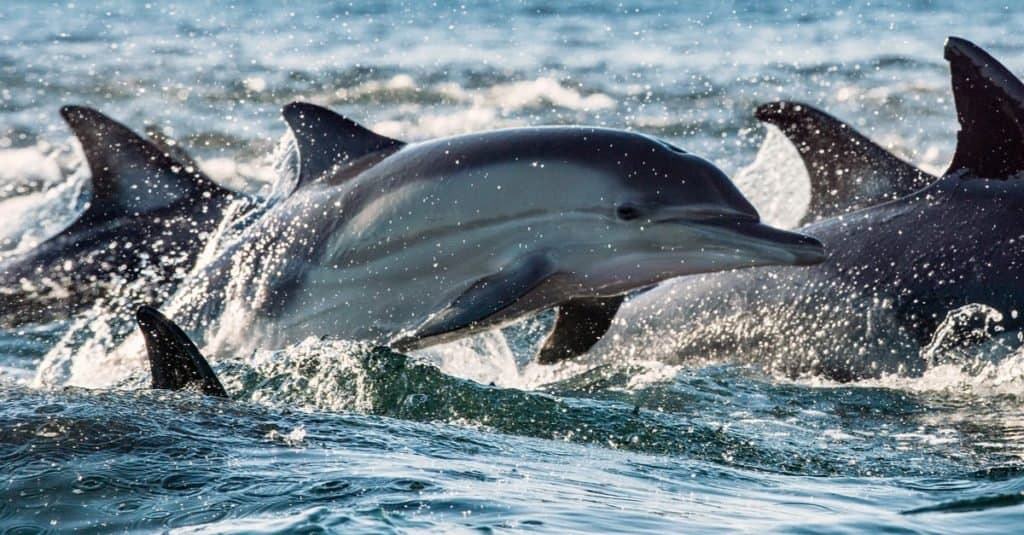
point(129, 174)
point(170, 146)
point(326, 139)
point(174, 361)
point(990, 107)
point(848, 171)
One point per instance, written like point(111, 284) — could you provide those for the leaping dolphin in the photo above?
point(148, 217)
point(895, 269)
point(421, 243)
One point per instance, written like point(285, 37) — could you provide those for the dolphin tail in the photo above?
point(848, 171)
point(990, 107)
point(174, 360)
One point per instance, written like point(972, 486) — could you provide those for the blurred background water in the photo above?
point(338, 436)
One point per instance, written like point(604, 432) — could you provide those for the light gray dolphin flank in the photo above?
point(417, 244)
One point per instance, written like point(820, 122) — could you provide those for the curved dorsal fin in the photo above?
point(326, 139)
point(170, 146)
point(848, 171)
point(175, 362)
point(129, 174)
point(990, 107)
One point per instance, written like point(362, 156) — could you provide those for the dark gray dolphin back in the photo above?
point(990, 107)
point(848, 171)
point(175, 362)
point(129, 174)
point(326, 139)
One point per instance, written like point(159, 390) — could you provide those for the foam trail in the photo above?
point(485, 358)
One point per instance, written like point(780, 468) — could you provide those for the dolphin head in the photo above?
point(664, 212)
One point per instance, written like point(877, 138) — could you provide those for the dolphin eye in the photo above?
point(627, 212)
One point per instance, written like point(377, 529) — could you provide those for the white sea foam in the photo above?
point(518, 95)
point(254, 176)
point(34, 217)
point(484, 108)
point(776, 182)
point(28, 165)
point(433, 125)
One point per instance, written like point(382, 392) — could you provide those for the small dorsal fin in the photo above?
point(170, 146)
point(848, 171)
point(174, 361)
point(326, 139)
point(129, 174)
point(990, 107)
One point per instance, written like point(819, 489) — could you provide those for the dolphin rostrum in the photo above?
point(895, 270)
point(420, 243)
point(148, 217)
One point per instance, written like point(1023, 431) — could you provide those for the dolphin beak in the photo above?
point(772, 245)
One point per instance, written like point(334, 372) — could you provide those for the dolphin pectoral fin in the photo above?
point(579, 325)
point(848, 171)
point(175, 362)
point(489, 295)
point(326, 139)
point(129, 174)
point(990, 107)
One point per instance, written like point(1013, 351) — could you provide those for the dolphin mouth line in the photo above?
point(803, 249)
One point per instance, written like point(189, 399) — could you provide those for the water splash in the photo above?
point(42, 190)
point(776, 182)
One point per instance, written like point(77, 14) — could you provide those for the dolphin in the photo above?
point(413, 244)
point(896, 268)
point(149, 216)
point(175, 362)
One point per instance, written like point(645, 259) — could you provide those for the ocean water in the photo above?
point(334, 436)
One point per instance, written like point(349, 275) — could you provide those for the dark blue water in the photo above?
point(331, 436)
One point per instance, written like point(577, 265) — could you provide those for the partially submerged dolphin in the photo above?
point(417, 244)
point(895, 269)
point(175, 362)
point(149, 216)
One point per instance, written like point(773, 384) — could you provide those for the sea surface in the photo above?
point(336, 436)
